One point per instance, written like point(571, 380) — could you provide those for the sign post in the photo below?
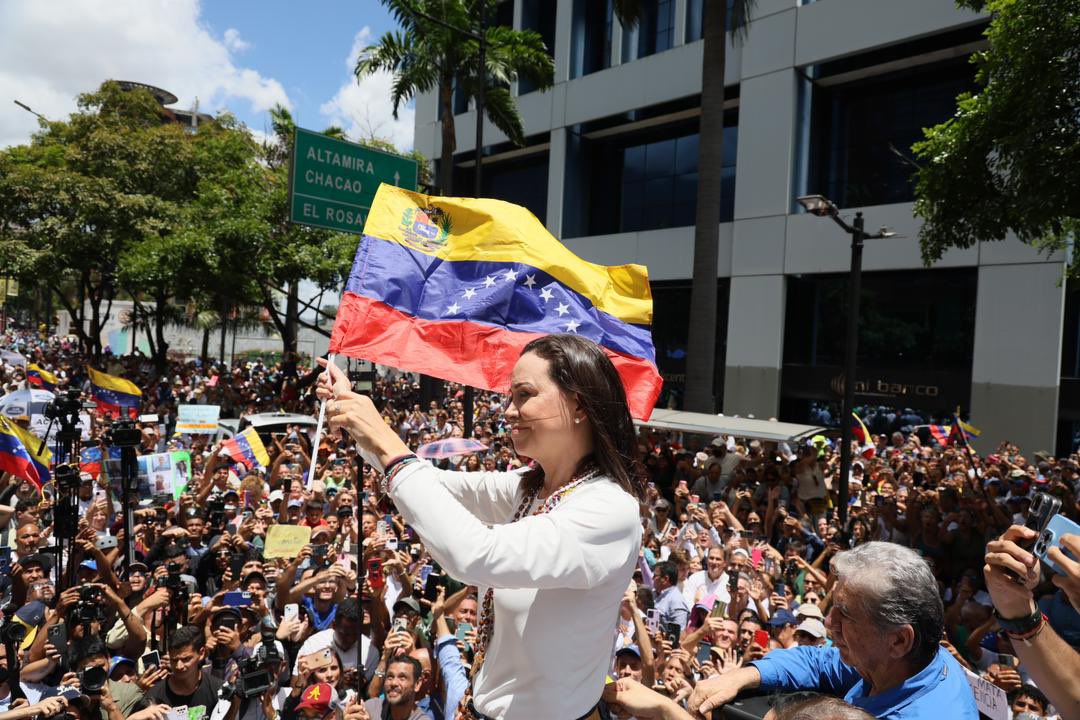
point(332, 182)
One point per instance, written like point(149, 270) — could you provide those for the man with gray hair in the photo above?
point(886, 624)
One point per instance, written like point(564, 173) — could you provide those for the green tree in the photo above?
point(701, 346)
point(424, 55)
point(1009, 159)
point(83, 192)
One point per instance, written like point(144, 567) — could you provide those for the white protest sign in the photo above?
point(990, 699)
point(197, 419)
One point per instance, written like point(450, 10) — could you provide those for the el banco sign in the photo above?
point(332, 182)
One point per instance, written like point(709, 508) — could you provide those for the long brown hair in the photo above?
point(580, 368)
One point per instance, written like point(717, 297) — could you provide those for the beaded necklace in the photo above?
point(487, 608)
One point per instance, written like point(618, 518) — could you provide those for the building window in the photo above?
point(918, 319)
point(590, 47)
point(658, 186)
point(521, 180)
point(655, 31)
point(695, 18)
point(862, 131)
point(625, 178)
point(538, 15)
point(671, 334)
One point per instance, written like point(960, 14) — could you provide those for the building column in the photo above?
point(755, 345)
point(556, 178)
point(680, 24)
point(1016, 372)
point(564, 26)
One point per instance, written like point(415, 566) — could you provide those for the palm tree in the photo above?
point(701, 348)
point(424, 55)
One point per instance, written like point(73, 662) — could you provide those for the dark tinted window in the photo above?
point(922, 319)
point(538, 15)
point(862, 132)
point(590, 39)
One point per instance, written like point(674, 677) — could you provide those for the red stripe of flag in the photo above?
point(462, 351)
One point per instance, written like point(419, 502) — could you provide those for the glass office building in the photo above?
point(821, 97)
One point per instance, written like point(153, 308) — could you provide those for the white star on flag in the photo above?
point(453, 308)
point(489, 281)
point(510, 275)
point(572, 326)
point(562, 309)
point(546, 293)
point(469, 292)
point(530, 280)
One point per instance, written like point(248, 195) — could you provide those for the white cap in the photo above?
point(812, 626)
point(276, 495)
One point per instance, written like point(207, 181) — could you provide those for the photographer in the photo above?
point(1051, 662)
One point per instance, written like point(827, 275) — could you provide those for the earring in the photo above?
point(577, 420)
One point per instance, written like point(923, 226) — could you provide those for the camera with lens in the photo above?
point(66, 404)
point(178, 589)
point(88, 607)
point(123, 433)
point(12, 632)
point(67, 477)
point(92, 680)
point(215, 516)
point(258, 671)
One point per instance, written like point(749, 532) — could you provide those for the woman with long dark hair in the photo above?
point(552, 547)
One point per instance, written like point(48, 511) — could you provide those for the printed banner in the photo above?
point(197, 419)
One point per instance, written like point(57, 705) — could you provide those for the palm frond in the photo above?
point(630, 12)
point(500, 108)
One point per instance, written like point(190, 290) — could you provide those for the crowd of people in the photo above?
point(744, 574)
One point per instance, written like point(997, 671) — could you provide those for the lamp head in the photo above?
point(817, 205)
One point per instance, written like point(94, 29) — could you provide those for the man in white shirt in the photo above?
point(712, 580)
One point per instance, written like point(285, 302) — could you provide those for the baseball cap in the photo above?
point(295, 503)
point(629, 650)
point(276, 495)
point(812, 626)
point(319, 697)
point(89, 565)
point(117, 661)
point(783, 617)
point(741, 551)
point(409, 603)
point(227, 611)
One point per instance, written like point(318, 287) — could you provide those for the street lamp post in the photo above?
point(822, 207)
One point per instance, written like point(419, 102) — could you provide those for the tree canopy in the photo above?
point(118, 200)
point(1008, 161)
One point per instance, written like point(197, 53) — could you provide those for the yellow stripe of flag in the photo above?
point(485, 230)
point(112, 382)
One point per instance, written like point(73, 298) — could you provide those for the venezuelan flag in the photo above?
point(19, 454)
point(860, 433)
point(970, 431)
point(112, 393)
point(247, 448)
point(41, 378)
point(456, 287)
point(941, 433)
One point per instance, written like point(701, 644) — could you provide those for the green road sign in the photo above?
point(332, 182)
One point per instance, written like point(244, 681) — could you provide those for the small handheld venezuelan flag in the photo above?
point(247, 448)
point(456, 287)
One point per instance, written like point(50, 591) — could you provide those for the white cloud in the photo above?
point(234, 42)
point(363, 109)
point(52, 51)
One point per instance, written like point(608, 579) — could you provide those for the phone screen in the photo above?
point(704, 650)
point(761, 639)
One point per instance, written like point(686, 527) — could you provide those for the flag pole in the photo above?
point(318, 428)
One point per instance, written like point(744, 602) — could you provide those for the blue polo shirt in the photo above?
point(939, 690)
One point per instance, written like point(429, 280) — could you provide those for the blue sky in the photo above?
point(237, 55)
point(303, 46)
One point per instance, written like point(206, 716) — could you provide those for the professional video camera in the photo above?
point(123, 433)
point(257, 673)
point(66, 404)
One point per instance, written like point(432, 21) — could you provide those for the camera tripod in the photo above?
point(65, 411)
